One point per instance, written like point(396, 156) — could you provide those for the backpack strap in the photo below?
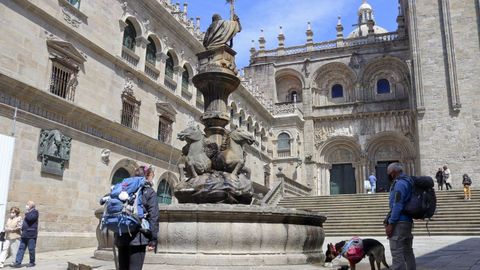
point(138, 196)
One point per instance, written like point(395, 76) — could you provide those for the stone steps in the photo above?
point(363, 214)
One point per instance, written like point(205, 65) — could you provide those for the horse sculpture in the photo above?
point(196, 160)
point(232, 158)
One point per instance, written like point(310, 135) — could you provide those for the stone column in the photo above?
point(216, 80)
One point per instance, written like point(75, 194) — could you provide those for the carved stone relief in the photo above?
point(54, 151)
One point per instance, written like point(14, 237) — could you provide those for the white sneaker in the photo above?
point(1, 265)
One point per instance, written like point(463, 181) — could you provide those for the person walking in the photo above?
point(132, 247)
point(467, 182)
point(447, 179)
point(28, 236)
point(373, 182)
point(439, 177)
point(13, 228)
point(398, 226)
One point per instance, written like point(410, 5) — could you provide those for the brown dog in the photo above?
point(370, 247)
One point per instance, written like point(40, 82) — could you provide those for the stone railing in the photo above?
point(326, 45)
point(130, 57)
point(182, 18)
point(275, 195)
point(285, 108)
point(151, 71)
point(284, 187)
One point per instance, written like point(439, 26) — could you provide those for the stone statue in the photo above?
point(221, 32)
point(196, 159)
point(232, 158)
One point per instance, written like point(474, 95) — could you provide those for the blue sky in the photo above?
point(293, 16)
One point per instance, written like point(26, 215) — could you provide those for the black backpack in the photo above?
point(423, 201)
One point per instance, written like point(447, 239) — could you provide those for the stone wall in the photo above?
point(447, 50)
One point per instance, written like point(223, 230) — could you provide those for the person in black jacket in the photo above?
point(29, 235)
point(132, 247)
point(439, 177)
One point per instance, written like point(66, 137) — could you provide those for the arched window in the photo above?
point(119, 175)
point(151, 52)
point(185, 78)
point(240, 121)
point(75, 3)
point(129, 36)
point(283, 145)
point(232, 113)
point(164, 192)
point(169, 66)
point(383, 86)
point(337, 91)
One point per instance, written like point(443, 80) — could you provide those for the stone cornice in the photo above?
point(44, 105)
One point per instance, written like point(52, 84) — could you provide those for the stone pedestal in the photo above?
point(235, 235)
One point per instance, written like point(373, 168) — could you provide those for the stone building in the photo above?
point(371, 97)
point(92, 89)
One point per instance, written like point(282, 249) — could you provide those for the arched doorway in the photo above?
point(164, 192)
point(119, 175)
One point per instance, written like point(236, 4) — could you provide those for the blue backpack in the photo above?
point(123, 211)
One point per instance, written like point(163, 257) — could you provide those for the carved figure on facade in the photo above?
point(54, 151)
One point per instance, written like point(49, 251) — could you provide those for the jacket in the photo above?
point(150, 204)
point(30, 224)
point(439, 177)
point(14, 225)
point(400, 194)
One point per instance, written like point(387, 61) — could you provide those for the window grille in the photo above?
point(63, 81)
point(130, 112)
point(165, 129)
point(283, 145)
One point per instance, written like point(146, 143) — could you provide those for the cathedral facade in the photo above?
point(89, 90)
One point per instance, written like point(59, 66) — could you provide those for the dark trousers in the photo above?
point(131, 257)
point(401, 246)
point(24, 243)
point(448, 186)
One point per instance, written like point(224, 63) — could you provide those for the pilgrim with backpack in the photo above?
point(131, 212)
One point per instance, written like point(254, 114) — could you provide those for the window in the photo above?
point(165, 129)
point(283, 145)
point(63, 80)
point(151, 52)
point(164, 192)
point(119, 175)
point(337, 91)
point(383, 86)
point(75, 3)
point(240, 121)
point(129, 36)
point(169, 66)
point(185, 79)
point(130, 111)
point(232, 113)
point(294, 96)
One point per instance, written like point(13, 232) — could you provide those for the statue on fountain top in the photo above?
point(221, 32)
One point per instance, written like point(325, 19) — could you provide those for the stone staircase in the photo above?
point(363, 214)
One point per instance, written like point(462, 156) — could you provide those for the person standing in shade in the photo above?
point(467, 182)
point(29, 235)
point(373, 182)
point(439, 177)
point(447, 178)
point(398, 226)
point(132, 247)
point(12, 236)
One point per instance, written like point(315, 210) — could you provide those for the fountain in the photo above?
point(214, 222)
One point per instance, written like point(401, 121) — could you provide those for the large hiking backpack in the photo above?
point(123, 212)
point(423, 202)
